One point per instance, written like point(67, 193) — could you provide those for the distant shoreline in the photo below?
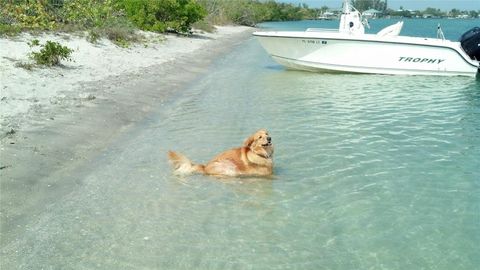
point(405, 18)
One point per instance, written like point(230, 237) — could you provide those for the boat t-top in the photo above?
point(350, 49)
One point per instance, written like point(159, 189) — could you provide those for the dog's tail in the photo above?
point(182, 165)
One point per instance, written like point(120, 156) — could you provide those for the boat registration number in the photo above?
point(313, 41)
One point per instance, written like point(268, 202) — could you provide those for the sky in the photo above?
point(444, 5)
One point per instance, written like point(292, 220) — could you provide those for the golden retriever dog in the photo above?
point(254, 158)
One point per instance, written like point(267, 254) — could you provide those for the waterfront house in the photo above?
point(371, 13)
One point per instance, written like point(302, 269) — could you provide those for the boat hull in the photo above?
point(336, 52)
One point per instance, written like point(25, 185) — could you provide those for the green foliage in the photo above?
point(28, 15)
point(150, 15)
point(88, 13)
point(473, 13)
point(244, 12)
point(433, 11)
point(9, 30)
point(33, 43)
point(363, 5)
point(115, 18)
point(51, 54)
point(204, 26)
point(251, 12)
point(121, 36)
point(94, 35)
point(163, 15)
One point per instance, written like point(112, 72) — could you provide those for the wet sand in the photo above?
point(43, 156)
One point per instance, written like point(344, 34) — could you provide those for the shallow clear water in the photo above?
point(371, 172)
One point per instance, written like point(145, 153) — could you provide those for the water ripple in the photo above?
point(371, 172)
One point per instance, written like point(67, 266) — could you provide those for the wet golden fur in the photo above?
point(254, 158)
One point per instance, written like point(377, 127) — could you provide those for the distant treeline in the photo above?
point(381, 5)
point(432, 12)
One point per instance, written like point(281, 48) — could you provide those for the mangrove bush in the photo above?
point(51, 53)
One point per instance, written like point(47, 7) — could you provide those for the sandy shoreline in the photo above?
point(55, 120)
point(23, 92)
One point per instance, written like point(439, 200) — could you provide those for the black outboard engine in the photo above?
point(470, 42)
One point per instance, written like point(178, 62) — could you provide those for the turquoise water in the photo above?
point(371, 172)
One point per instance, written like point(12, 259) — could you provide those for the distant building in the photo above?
point(372, 13)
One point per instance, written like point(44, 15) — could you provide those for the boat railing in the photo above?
point(440, 34)
point(321, 30)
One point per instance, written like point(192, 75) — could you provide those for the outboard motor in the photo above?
point(470, 42)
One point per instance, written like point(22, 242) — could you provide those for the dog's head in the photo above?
point(260, 143)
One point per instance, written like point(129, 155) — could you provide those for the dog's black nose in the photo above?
point(269, 139)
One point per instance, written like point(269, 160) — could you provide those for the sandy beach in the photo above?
point(54, 119)
point(26, 93)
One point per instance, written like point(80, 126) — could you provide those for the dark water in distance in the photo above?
point(371, 172)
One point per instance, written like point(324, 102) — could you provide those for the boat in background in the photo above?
point(350, 49)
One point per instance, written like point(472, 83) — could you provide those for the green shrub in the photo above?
point(204, 25)
point(94, 35)
point(89, 13)
point(163, 15)
point(97, 16)
point(251, 12)
point(33, 43)
point(51, 54)
point(9, 30)
point(121, 36)
point(28, 15)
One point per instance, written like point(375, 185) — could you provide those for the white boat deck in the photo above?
point(317, 33)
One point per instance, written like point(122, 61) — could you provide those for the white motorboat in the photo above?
point(350, 49)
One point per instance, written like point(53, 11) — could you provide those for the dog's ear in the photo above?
point(248, 142)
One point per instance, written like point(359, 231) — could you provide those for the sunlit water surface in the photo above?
point(371, 172)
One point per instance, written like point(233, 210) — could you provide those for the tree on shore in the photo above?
point(153, 15)
point(363, 5)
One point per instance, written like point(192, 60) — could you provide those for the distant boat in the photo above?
point(327, 16)
point(349, 49)
point(323, 17)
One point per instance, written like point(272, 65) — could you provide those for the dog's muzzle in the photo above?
point(269, 142)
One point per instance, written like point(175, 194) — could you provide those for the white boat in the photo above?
point(350, 49)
